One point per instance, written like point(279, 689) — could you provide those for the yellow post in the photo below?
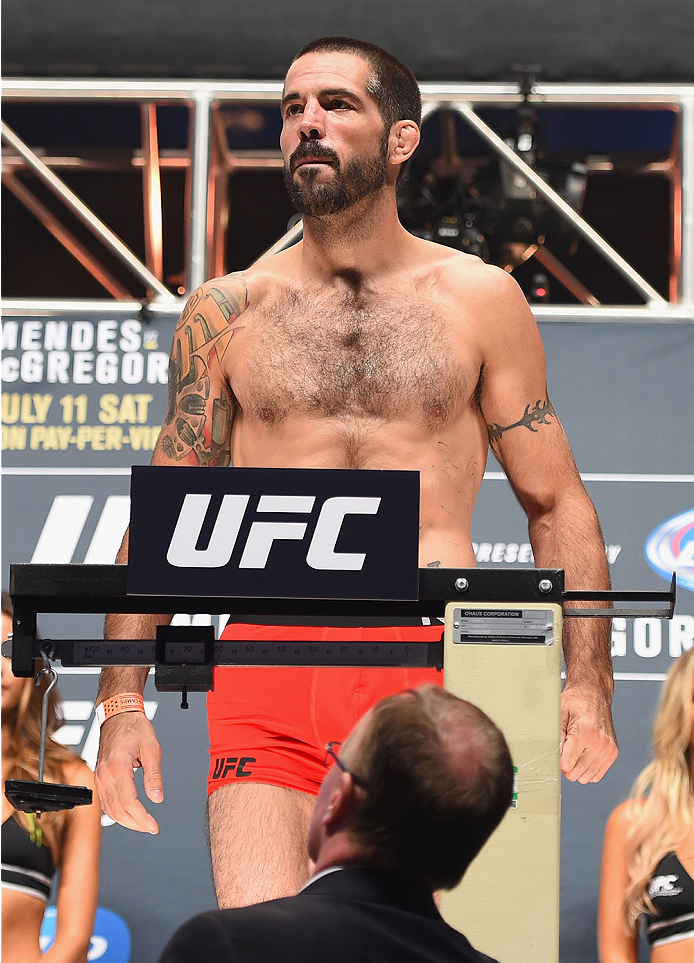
point(506, 659)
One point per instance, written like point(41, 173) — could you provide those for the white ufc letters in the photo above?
point(182, 552)
point(263, 534)
point(321, 555)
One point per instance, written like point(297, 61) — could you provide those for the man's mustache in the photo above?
point(312, 149)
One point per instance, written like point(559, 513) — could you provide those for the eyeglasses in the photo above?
point(331, 754)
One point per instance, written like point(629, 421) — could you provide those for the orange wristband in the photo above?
point(123, 702)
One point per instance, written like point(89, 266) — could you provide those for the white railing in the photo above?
point(203, 99)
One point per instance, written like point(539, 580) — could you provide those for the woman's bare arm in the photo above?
point(78, 888)
point(616, 943)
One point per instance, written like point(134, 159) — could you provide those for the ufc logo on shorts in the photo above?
point(232, 764)
point(321, 554)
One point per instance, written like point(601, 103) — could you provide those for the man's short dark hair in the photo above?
point(439, 779)
point(392, 85)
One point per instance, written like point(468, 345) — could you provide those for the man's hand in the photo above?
point(588, 742)
point(128, 742)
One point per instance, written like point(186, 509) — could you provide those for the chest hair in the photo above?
point(353, 355)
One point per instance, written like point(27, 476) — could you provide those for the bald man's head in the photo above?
point(439, 777)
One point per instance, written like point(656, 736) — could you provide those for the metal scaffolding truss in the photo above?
point(209, 161)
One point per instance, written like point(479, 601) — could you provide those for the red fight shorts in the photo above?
point(271, 724)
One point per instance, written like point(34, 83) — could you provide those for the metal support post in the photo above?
point(151, 186)
point(221, 165)
point(517, 682)
point(199, 191)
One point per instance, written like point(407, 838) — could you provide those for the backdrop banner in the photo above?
point(83, 401)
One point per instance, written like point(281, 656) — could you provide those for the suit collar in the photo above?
point(391, 887)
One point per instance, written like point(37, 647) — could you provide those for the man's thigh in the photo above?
point(258, 839)
point(261, 729)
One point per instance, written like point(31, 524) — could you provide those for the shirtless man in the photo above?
point(360, 347)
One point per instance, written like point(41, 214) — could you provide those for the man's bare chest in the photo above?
point(348, 356)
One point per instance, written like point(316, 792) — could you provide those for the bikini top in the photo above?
point(26, 867)
point(671, 890)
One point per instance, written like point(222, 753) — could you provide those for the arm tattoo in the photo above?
point(537, 415)
point(197, 427)
point(190, 306)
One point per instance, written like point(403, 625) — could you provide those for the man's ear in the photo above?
point(341, 802)
point(403, 141)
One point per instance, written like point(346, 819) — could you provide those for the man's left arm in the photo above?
point(527, 438)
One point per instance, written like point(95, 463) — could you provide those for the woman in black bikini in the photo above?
point(32, 851)
point(648, 853)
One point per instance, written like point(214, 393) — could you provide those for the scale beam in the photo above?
point(92, 589)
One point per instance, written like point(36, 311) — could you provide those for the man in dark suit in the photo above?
point(409, 800)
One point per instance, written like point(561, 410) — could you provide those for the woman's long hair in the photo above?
point(24, 723)
point(663, 790)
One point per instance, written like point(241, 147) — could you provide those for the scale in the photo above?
point(500, 648)
point(502, 606)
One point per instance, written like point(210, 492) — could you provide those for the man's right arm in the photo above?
point(128, 741)
point(196, 431)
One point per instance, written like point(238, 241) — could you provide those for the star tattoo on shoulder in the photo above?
point(537, 415)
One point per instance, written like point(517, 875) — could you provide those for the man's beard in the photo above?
point(359, 179)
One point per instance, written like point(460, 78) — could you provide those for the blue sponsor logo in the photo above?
point(110, 942)
point(670, 548)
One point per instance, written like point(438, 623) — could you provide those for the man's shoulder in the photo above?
point(291, 924)
point(233, 287)
point(247, 932)
point(285, 914)
point(476, 292)
point(458, 271)
point(304, 926)
point(263, 279)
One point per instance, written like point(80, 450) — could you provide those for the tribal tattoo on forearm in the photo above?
point(197, 427)
point(537, 415)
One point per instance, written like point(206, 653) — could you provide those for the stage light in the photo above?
point(538, 289)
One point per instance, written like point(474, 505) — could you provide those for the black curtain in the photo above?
point(459, 40)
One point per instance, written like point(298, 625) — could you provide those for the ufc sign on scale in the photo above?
point(274, 532)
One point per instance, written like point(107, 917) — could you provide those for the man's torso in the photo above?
point(356, 374)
